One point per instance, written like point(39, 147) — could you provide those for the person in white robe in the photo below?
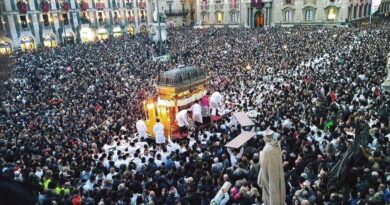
point(196, 110)
point(182, 122)
point(215, 102)
point(141, 129)
point(158, 130)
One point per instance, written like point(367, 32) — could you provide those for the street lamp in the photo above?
point(159, 28)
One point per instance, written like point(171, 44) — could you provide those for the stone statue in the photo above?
point(388, 63)
point(271, 175)
point(386, 84)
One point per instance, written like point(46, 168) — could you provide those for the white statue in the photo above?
point(386, 84)
point(271, 175)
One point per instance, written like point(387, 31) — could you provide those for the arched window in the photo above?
point(234, 17)
point(331, 15)
point(309, 14)
point(288, 15)
point(205, 18)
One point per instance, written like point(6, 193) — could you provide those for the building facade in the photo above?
point(28, 24)
point(256, 13)
point(31, 23)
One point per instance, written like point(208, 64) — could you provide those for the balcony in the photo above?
point(205, 8)
point(131, 19)
point(218, 6)
point(182, 12)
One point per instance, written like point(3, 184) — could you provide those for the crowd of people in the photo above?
point(68, 118)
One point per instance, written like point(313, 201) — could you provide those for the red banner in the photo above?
point(204, 2)
point(84, 6)
point(234, 3)
point(256, 3)
point(23, 8)
point(66, 6)
point(45, 7)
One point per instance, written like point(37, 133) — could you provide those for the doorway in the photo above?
point(259, 19)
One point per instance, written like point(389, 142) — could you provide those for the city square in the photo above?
point(203, 102)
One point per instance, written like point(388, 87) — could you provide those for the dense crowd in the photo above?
point(68, 118)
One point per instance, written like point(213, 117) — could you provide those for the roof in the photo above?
point(181, 76)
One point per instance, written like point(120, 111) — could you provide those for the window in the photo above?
point(219, 17)
point(332, 14)
point(100, 17)
point(143, 16)
point(309, 15)
point(23, 21)
point(45, 18)
point(205, 17)
point(170, 7)
point(130, 16)
point(234, 17)
point(65, 18)
point(288, 16)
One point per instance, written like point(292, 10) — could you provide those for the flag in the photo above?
point(328, 125)
point(204, 4)
point(375, 6)
point(234, 3)
point(256, 3)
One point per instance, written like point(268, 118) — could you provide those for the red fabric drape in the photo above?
point(66, 6)
point(23, 7)
point(45, 7)
point(256, 3)
point(84, 6)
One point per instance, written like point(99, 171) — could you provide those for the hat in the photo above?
point(268, 132)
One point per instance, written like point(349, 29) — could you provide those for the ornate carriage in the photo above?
point(177, 89)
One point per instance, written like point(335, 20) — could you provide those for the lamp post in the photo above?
point(240, 16)
point(159, 28)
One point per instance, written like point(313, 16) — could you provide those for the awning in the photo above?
point(240, 140)
point(243, 119)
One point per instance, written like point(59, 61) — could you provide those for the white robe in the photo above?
point(158, 130)
point(215, 100)
point(181, 118)
point(141, 129)
point(197, 113)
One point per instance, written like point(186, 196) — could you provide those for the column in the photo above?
point(136, 15)
point(12, 29)
point(32, 5)
point(8, 6)
point(56, 25)
point(267, 14)
point(226, 12)
point(198, 12)
point(212, 12)
point(35, 22)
